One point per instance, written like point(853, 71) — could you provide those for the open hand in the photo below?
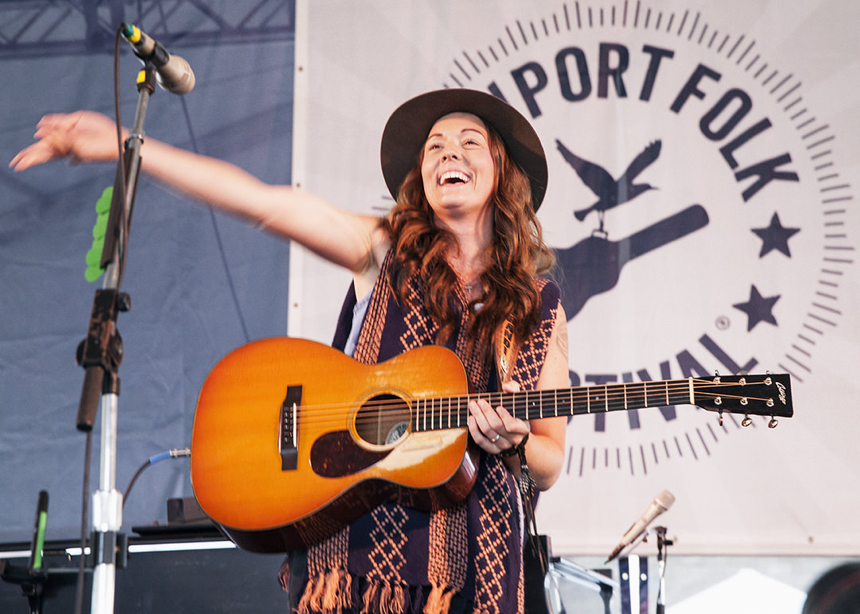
point(83, 136)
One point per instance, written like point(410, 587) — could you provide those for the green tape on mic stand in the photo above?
point(94, 255)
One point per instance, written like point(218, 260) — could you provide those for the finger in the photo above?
point(488, 425)
point(59, 120)
point(38, 153)
point(488, 413)
point(511, 386)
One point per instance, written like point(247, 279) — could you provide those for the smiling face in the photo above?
point(457, 168)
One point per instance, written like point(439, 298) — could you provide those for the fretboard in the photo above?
point(453, 412)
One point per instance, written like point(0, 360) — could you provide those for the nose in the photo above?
point(449, 153)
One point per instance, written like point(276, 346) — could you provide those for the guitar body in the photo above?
point(348, 433)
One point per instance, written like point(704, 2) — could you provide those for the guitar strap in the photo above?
point(535, 549)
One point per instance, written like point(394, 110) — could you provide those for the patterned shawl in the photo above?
point(398, 560)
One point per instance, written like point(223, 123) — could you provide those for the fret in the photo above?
point(680, 394)
point(635, 397)
point(424, 417)
point(625, 395)
point(645, 391)
point(555, 402)
point(449, 412)
point(588, 398)
point(606, 398)
point(666, 383)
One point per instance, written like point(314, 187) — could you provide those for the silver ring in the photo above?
point(496, 438)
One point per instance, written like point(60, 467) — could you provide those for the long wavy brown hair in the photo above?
point(516, 255)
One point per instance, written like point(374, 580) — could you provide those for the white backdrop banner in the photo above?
point(732, 247)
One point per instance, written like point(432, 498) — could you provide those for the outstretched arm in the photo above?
point(344, 238)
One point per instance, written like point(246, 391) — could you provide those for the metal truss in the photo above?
point(38, 28)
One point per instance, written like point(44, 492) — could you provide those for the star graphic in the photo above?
point(775, 236)
point(758, 308)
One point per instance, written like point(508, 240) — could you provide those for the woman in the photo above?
point(457, 257)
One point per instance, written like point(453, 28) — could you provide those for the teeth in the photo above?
point(452, 176)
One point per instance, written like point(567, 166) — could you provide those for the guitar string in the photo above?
point(577, 394)
point(440, 404)
point(438, 410)
point(563, 393)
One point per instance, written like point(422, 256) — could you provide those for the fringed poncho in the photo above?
point(399, 560)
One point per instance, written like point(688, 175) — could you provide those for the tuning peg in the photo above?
point(772, 424)
point(746, 421)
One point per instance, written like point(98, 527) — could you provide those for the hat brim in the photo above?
point(408, 127)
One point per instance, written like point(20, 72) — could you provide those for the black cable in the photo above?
point(82, 567)
point(123, 222)
point(174, 453)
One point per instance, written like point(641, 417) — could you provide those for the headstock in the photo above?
point(756, 395)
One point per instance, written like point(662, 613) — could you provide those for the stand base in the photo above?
point(32, 583)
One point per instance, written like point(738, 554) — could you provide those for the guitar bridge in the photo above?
point(288, 429)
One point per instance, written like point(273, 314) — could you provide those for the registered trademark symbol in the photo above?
point(723, 323)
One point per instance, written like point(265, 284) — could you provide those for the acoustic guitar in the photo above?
point(293, 440)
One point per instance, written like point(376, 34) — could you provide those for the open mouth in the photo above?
point(453, 178)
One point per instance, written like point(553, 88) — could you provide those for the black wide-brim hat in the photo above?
point(408, 127)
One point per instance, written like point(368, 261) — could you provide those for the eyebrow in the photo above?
point(435, 134)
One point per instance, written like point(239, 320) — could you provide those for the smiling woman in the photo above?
point(455, 263)
point(458, 169)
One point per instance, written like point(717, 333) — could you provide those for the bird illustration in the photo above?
point(610, 193)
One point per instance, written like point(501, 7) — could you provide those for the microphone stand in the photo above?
point(100, 355)
point(662, 556)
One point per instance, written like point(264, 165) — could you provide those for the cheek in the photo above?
point(427, 175)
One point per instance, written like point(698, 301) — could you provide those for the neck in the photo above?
point(474, 235)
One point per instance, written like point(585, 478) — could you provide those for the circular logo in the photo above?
point(695, 206)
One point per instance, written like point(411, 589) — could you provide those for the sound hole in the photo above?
point(383, 420)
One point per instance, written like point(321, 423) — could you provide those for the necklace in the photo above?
point(470, 285)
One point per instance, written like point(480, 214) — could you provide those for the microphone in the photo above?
point(171, 71)
point(660, 504)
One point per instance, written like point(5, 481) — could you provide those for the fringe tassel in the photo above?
point(368, 598)
point(383, 598)
point(439, 599)
point(329, 593)
point(399, 602)
point(284, 575)
point(307, 595)
point(337, 597)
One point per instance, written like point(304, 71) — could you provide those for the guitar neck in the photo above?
point(453, 412)
point(760, 395)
